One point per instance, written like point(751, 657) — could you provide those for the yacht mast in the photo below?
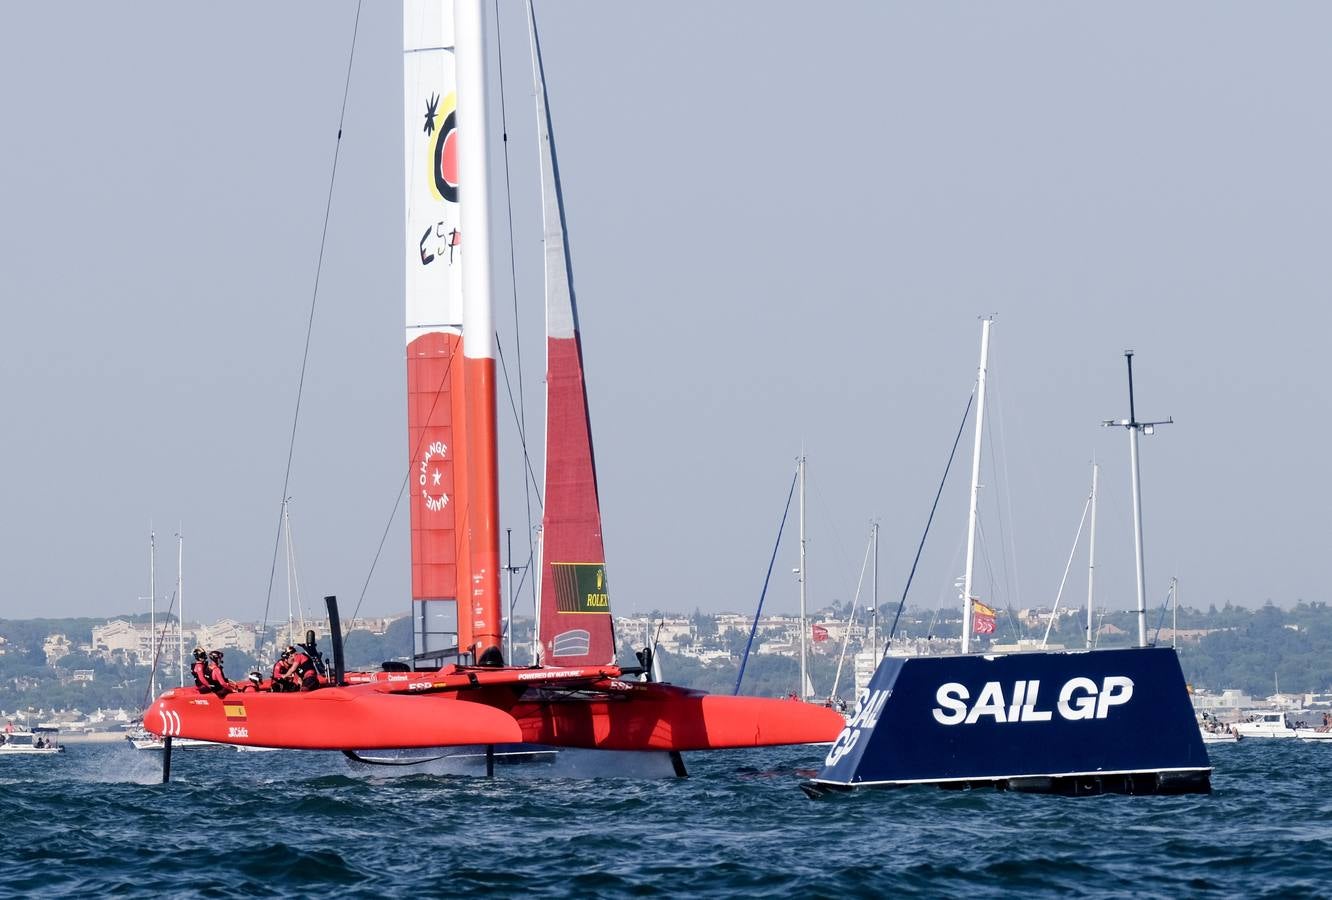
point(986, 322)
point(874, 614)
point(805, 692)
point(1174, 611)
point(180, 607)
point(152, 604)
point(1091, 555)
point(1134, 426)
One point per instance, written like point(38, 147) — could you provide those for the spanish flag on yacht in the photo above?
point(982, 617)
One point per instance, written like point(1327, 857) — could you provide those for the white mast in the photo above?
point(874, 615)
point(1174, 610)
point(1134, 426)
point(508, 597)
point(805, 692)
point(536, 597)
point(975, 482)
point(152, 604)
point(1137, 534)
point(180, 607)
point(474, 166)
point(1091, 555)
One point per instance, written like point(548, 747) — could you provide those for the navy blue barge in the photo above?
point(1072, 723)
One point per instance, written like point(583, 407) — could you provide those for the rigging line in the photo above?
point(1014, 626)
point(952, 590)
point(517, 332)
point(850, 620)
point(402, 489)
point(971, 398)
point(1007, 492)
point(517, 591)
point(416, 452)
point(934, 620)
point(513, 266)
point(763, 593)
point(309, 325)
point(293, 579)
point(1169, 598)
point(1005, 540)
point(1067, 566)
point(157, 652)
point(530, 482)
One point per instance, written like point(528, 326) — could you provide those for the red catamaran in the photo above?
point(575, 696)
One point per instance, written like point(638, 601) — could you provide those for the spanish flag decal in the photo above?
point(234, 709)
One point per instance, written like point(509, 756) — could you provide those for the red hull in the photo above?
point(665, 717)
point(327, 719)
point(584, 708)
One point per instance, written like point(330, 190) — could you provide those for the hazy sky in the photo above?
point(784, 218)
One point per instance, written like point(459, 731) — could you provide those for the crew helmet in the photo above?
point(199, 653)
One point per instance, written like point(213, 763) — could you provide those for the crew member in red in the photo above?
point(301, 670)
point(282, 673)
point(200, 669)
point(218, 678)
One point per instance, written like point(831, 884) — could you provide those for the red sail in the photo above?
point(435, 425)
point(576, 624)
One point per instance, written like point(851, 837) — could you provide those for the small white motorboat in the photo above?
point(1264, 724)
point(39, 742)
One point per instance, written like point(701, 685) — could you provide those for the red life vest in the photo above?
point(218, 678)
point(201, 681)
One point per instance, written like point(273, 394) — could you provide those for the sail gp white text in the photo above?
point(1079, 698)
point(867, 715)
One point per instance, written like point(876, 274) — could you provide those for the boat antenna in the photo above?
point(1134, 427)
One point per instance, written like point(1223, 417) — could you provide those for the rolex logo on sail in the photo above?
point(580, 587)
point(430, 477)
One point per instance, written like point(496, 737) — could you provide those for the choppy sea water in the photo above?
point(97, 821)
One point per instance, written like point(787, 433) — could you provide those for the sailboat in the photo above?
point(1071, 722)
point(460, 690)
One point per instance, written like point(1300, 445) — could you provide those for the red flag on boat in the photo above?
point(820, 633)
point(982, 618)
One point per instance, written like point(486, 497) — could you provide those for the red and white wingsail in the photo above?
point(576, 627)
point(450, 342)
point(576, 698)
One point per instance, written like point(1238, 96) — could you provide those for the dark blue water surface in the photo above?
point(96, 821)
